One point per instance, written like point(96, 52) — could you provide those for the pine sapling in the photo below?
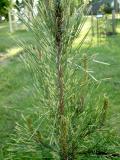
point(69, 110)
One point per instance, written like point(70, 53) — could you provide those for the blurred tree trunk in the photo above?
point(115, 5)
point(10, 22)
point(114, 17)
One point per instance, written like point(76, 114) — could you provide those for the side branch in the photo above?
point(101, 153)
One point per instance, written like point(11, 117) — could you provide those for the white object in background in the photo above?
point(99, 15)
point(3, 18)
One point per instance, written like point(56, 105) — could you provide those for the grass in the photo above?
point(15, 81)
point(14, 99)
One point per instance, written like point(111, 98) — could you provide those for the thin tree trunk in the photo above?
point(115, 5)
point(10, 22)
point(113, 22)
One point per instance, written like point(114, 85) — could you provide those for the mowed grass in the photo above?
point(15, 81)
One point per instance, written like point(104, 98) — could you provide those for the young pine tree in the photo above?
point(70, 113)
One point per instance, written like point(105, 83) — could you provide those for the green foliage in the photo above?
point(4, 7)
point(106, 8)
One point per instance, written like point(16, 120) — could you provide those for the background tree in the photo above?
point(5, 5)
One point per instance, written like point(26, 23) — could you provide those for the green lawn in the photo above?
point(15, 80)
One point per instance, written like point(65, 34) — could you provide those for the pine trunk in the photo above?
point(61, 117)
